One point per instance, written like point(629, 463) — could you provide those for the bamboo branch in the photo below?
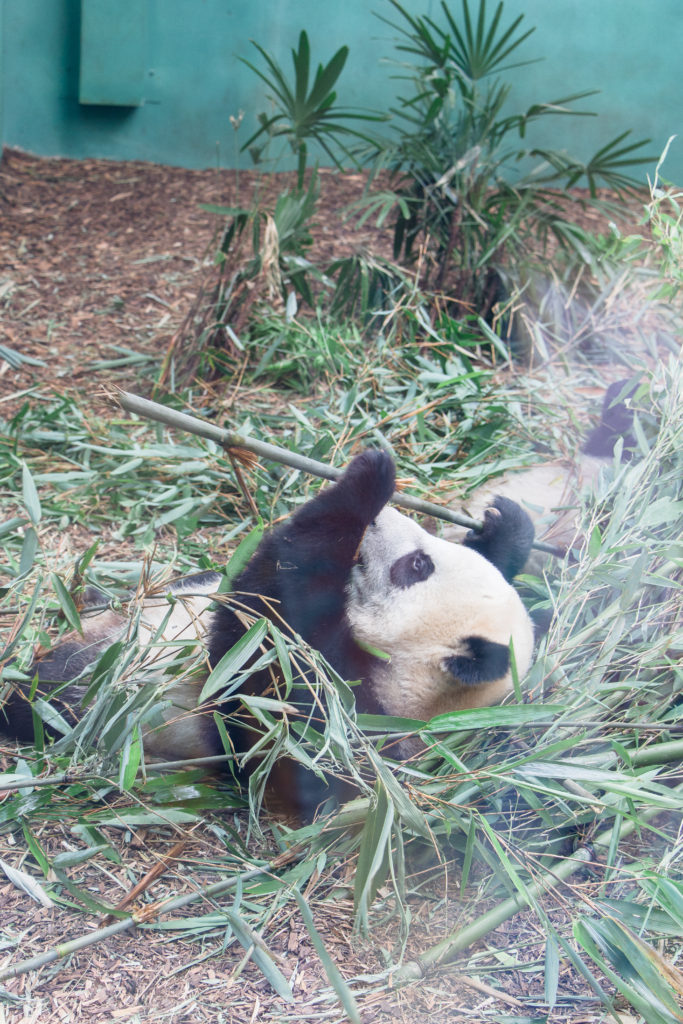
point(229, 439)
point(65, 949)
point(68, 778)
point(669, 752)
point(446, 950)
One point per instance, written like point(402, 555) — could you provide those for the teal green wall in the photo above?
point(632, 50)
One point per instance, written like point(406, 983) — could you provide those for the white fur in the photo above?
point(169, 618)
point(177, 613)
point(167, 615)
point(421, 625)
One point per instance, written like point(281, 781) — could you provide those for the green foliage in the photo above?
point(100, 474)
point(280, 239)
point(505, 792)
point(637, 970)
point(455, 152)
point(473, 225)
point(364, 285)
point(661, 248)
point(302, 115)
point(279, 242)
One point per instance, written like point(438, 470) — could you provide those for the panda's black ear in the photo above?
point(482, 661)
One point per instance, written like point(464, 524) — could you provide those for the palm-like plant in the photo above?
point(456, 152)
point(302, 114)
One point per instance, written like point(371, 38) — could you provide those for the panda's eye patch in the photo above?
point(412, 568)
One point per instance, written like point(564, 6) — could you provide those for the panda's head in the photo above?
point(444, 615)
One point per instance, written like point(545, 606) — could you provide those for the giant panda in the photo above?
point(426, 626)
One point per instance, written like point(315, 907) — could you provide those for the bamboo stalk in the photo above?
point(446, 950)
point(231, 439)
point(67, 778)
point(64, 949)
point(669, 752)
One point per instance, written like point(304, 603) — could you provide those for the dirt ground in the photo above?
point(98, 261)
point(100, 258)
point(101, 261)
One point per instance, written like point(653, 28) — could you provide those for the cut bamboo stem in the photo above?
point(446, 950)
point(62, 950)
point(669, 752)
point(231, 439)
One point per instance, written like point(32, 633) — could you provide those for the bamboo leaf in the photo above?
point(234, 659)
point(373, 856)
point(22, 880)
point(75, 857)
point(648, 981)
point(66, 604)
point(260, 954)
point(240, 557)
point(131, 754)
point(669, 895)
point(491, 718)
point(551, 972)
point(49, 716)
point(11, 525)
point(331, 970)
point(28, 551)
point(30, 495)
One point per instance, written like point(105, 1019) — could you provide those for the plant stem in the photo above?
point(230, 439)
point(65, 949)
point(446, 950)
point(301, 170)
point(669, 752)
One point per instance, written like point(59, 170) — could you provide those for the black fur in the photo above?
point(65, 662)
point(298, 577)
point(304, 564)
point(303, 568)
point(412, 568)
point(506, 538)
point(484, 661)
point(616, 420)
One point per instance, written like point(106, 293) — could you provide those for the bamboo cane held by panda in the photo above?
point(230, 439)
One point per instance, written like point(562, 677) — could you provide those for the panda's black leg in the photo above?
point(616, 420)
point(299, 794)
point(506, 538)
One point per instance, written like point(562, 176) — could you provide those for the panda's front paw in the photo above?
point(506, 537)
point(369, 481)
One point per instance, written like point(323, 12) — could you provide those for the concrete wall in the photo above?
point(193, 81)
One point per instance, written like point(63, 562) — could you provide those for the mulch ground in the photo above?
point(154, 975)
point(99, 263)
point(99, 260)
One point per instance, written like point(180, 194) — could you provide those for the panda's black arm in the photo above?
point(302, 569)
point(506, 537)
point(318, 546)
point(343, 511)
point(324, 534)
point(303, 566)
